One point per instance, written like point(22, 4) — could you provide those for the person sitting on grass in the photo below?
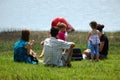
point(53, 49)
point(104, 42)
point(23, 51)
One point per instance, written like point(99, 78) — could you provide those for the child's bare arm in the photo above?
point(28, 47)
point(32, 42)
point(89, 34)
point(42, 54)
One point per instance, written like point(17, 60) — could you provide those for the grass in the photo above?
point(108, 69)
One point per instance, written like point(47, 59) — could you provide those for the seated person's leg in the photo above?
point(67, 57)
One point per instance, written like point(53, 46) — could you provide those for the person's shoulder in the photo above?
point(66, 42)
point(63, 42)
point(89, 32)
point(103, 37)
point(60, 40)
point(24, 42)
point(47, 39)
point(21, 41)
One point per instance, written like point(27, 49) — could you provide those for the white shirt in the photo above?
point(94, 38)
point(53, 49)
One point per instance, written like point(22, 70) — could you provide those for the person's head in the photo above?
point(25, 35)
point(93, 24)
point(54, 31)
point(100, 27)
point(87, 52)
point(61, 26)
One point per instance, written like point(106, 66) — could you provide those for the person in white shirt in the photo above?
point(53, 50)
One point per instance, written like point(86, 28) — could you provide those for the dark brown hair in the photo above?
point(25, 35)
point(54, 31)
point(93, 24)
point(100, 27)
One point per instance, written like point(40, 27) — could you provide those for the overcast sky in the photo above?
point(38, 14)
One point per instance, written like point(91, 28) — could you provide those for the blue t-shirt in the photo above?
point(20, 52)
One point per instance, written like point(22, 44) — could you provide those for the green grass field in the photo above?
point(108, 69)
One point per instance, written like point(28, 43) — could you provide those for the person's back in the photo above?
point(53, 49)
point(20, 53)
point(104, 51)
point(94, 38)
point(104, 42)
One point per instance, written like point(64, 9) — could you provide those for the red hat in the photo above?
point(62, 20)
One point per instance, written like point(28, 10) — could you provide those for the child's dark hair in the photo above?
point(54, 31)
point(25, 35)
point(93, 24)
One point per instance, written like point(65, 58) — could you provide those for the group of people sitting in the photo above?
point(56, 50)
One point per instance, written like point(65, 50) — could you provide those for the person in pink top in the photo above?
point(62, 31)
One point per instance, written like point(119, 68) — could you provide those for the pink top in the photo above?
point(61, 35)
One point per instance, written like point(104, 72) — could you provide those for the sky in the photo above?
point(38, 14)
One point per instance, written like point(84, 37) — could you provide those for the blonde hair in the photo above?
point(61, 25)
